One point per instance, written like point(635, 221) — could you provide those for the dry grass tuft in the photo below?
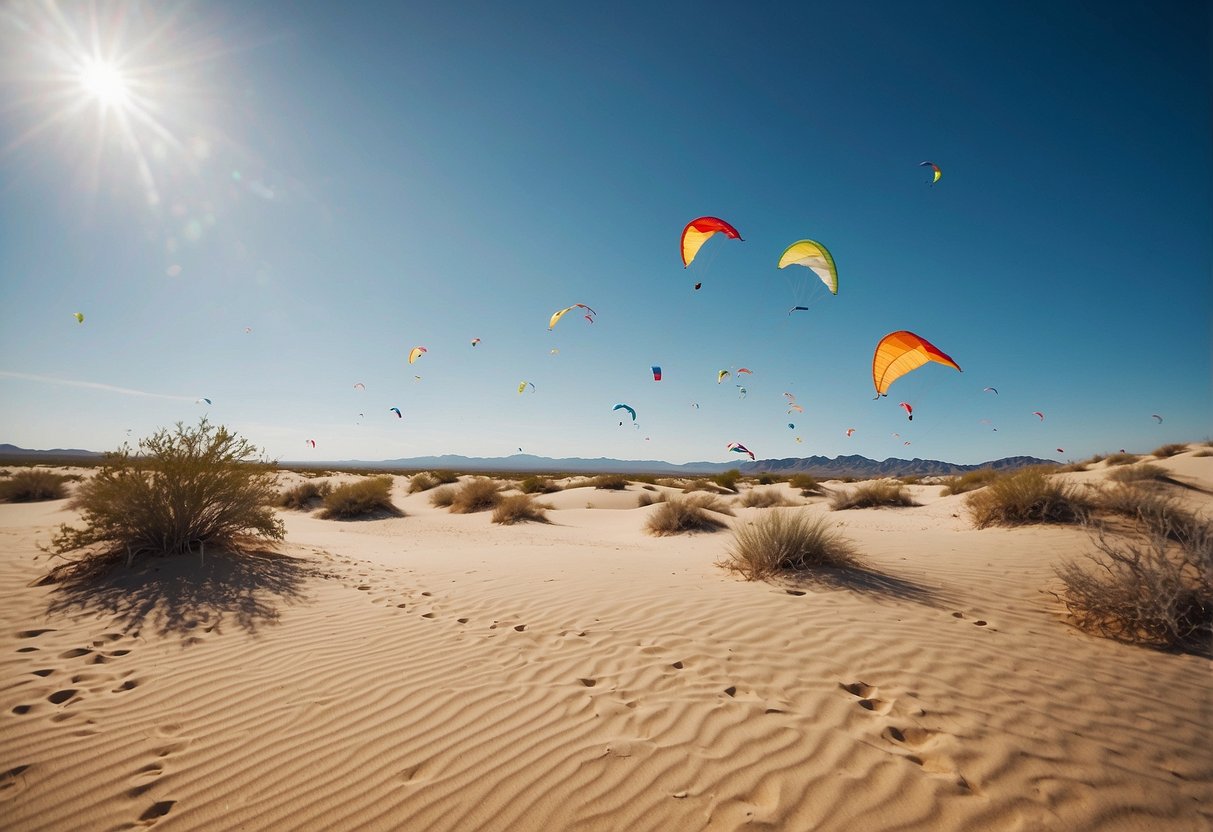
point(426, 480)
point(519, 508)
point(305, 496)
point(711, 502)
point(807, 484)
point(32, 486)
point(728, 479)
point(1025, 497)
point(764, 499)
point(1164, 451)
point(1145, 472)
point(537, 485)
point(782, 541)
point(443, 497)
point(1121, 459)
point(680, 516)
point(610, 482)
point(969, 481)
point(369, 497)
point(480, 494)
point(872, 494)
point(646, 498)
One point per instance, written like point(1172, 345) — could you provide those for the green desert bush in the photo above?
point(781, 541)
point(728, 479)
point(755, 498)
point(519, 508)
point(1164, 451)
point(367, 497)
point(305, 496)
point(1152, 586)
point(872, 494)
point(807, 484)
point(33, 485)
point(1121, 459)
point(443, 497)
point(1024, 497)
point(186, 487)
point(610, 482)
point(969, 481)
point(480, 494)
point(679, 516)
point(537, 485)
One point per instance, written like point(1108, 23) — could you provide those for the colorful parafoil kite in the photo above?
point(656, 373)
point(741, 392)
point(738, 448)
point(560, 313)
point(396, 410)
point(475, 341)
point(797, 408)
point(201, 400)
point(358, 385)
point(935, 169)
point(722, 375)
point(311, 442)
point(79, 316)
point(814, 257)
point(522, 385)
point(626, 407)
point(416, 352)
point(697, 233)
point(698, 286)
point(990, 390)
point(745, 370)
point(1038, 413)
point(791, 426)
point(850, 431)
point(900, 352)
point(908, 408)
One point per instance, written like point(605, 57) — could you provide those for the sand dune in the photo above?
point(439, 672)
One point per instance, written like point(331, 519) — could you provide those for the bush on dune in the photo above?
point(610, 482)
point(33, 486)
point(443, 497)
point(781, 541)
point(763, 499)
point(873, 494)
point(480, 494)
point(537, 485)
point(1143, 473)
point(647, 499)
point(679, 516)
point(305, 496)
point(807, 484)
point(367, 497)
point(1024, 497)
point(426, 480)
point(969, 481)
point(1172, 449)
point(728, 479)
point(519, 508)
point(187, 487)
point(1121, 459)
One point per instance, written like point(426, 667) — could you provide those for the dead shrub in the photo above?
point(781, 541)
point(519, 508)
point(537, 485)
point(807, 484)
point(680, 516)
point(872, 494)
point(610, 482)
point(968, 481)
point(755, 498)
point(480, 494)
point(443, 497)
point(1121, 459)
point(646, 498)
point(1164, 451)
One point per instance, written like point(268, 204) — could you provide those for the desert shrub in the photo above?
point(480, 494)
point(710, 502)
point(366, 497)
point(305, 496)
point(807, 484)
point(646, 498)
point(1095, 458)
point(610, 482)
point(1203, 453)
point(911, 479)
point(767, 478)
point(1164, 451)
point(1121, 459)
point(871, 494)
point(700, 485)
point(763, 499)
point(969, 481)
point(185, 487)
point(728, 479)
point(679, 516)
point(423, 481)
point(443, 497)
point(1072, 468)
point(1146, 472)
point(1026, 496)
point(32, 486)
point(519, 508)
point(537, 485)
point(786, 540)
point(1152, 586)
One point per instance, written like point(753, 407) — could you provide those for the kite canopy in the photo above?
point(79, 316)
point(814, 257)
point(908, 408)
point(738, 448)
point(560, 313)
point(697, 232)
point(628, 408)
point(656, 373)
point(396, 410)
point(522, 385)
point(934, 167)
point(1156, 418)
point(990, 390)
point(415, 353)
point(900, 352)
point(722, 375)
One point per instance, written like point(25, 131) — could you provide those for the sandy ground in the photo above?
point(440, 672)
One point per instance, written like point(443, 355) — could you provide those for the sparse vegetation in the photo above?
point(480, 494)
point(1145, 472)
point(1121, 459)
point(728, 479)
point(1203, 453)
point(186, 487)
point(767, 478)
point(368, 497)
point(537, 485)
point(443, 497)
point(1024, 497)
point(872, 494)
point(33, 485)
point(755, 498)
point(305, 496)
point(702, 485)
point(969, 481)
point(1153, 586)
point(807, 484)
point(426, 480)
point(679, 516)
point(781, 541)
point(710, 502)
point(610, 482)
point(646, 498)
point(519, 508)
point(1164, 451)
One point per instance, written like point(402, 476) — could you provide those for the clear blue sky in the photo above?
point(351, 180)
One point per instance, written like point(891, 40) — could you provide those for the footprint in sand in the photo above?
point(34, 633)
point(12, 782)
point(867, 698)
point(157, 810)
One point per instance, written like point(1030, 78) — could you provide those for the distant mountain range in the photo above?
point(822, 467)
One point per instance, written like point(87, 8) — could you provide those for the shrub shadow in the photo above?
point(183, 595)
point(866, 581)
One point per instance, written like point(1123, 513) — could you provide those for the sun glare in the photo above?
point(104, 82)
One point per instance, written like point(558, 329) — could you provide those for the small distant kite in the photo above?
point(1038, 413)
point(522, 386)
point(553, 351)
point(204, 399)
point(560, 313)
point(358, 385)
point(908, 408)
point(698, 286)
point(798, 309)
point(1156, 418)
point(396, 410)
point(850, 431)
point(656, 373)
point(738, 448)
point(698, 231)
point(741, 392)
point(1061, 450)
point(626, 407)
point(415, 353)
point(311, 442)
point(248, 330)
point(791, 426)
point(695, 405)
point(722, 375)
point(79, 316)
point(936, 171)
point(990, 390)
point(475, 341)
point(746, 371)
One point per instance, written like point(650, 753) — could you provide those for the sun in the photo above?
point(104, 82)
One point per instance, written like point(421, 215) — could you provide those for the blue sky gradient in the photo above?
point(351, 181)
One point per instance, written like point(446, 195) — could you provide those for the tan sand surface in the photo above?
point(439, 672)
